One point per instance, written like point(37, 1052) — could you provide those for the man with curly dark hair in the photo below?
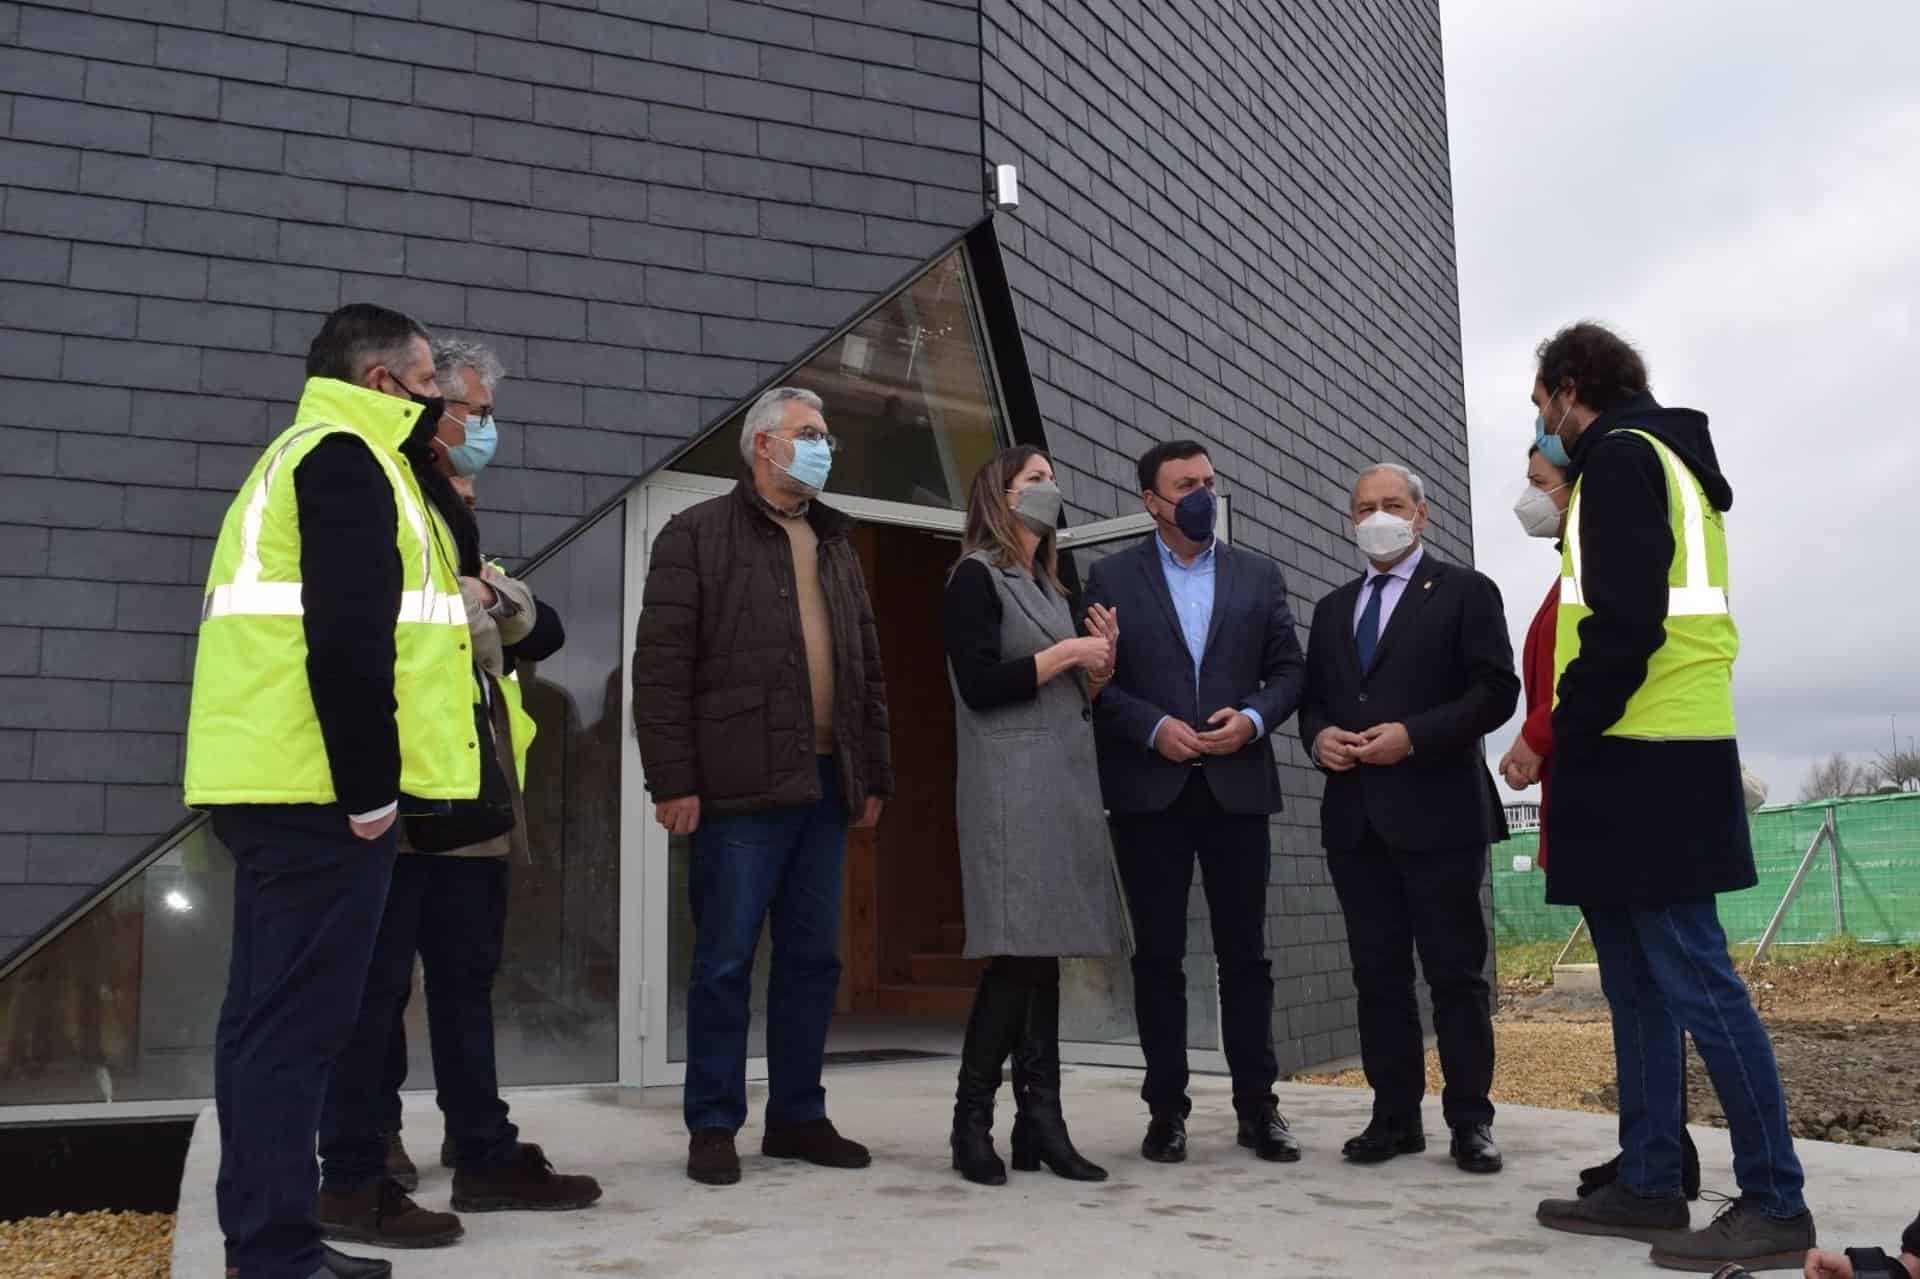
point(1649, 820)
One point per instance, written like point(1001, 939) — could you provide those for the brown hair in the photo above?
point(994, 528)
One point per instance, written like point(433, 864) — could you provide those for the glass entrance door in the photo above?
point(1096, 995)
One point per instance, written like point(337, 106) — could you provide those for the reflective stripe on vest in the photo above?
point(253, 733)
point(1687, 691)
point(1695, 596)
point(248, 596)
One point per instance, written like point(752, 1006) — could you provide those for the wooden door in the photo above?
point(903, 923)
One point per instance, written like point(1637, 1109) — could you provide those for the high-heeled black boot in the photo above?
point(994, 1026)
point(1039, 1128)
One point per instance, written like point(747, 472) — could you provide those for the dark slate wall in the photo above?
point(648, 206)
point(1237, 225)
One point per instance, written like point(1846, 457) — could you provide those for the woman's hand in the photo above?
point(1521, 764)
point(1104, 623)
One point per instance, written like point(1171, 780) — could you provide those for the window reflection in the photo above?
point(1096, 995)
point(907, 392)
point(122, 1006)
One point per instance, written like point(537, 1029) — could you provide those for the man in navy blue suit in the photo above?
point(1208, 667)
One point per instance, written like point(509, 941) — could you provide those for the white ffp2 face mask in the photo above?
point(1536, 512)
point(1383, 535)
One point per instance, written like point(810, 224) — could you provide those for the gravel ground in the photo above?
point(1845, 1026)
point(92, 1245)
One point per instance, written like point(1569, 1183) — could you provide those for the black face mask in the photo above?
point(1194, 514)
point(427, 425)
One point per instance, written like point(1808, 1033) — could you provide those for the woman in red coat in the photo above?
point(1542, 510)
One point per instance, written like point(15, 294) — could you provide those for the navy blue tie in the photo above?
point(1367, 638)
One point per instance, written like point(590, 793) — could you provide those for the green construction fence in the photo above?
point(1878, 849)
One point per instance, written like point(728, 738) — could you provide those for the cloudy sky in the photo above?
point(1735, 185)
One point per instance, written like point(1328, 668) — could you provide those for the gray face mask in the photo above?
point(1038, 506)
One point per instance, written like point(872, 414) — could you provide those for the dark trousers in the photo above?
point(306, 911)
point(1665, 969)
point(452, 911)
point(1156, 853)
point(780, 866)
point(1396, 902)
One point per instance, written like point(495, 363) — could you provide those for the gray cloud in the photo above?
point(1736, 187)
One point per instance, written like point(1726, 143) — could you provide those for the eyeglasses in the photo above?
point(813, 435)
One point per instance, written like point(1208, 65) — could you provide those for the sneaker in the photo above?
point(816, 1142)
point(1740, 1234)
point(400, 1165)
point(525, 1183)
point(712, 1159)
point(1615, 1211)
point(383, 1215)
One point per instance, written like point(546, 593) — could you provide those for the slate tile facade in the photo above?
point(1236, 224)
point(648, 207)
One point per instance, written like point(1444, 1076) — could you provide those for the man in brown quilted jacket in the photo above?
point(761, 712)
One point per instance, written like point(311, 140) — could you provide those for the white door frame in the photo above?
point(644, 846)
point(1207, 1061)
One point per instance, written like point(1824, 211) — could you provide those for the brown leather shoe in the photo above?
point(816, 1142)
point(382, 1215)
point(526, 1183)
point(400, 1165)
point(712, 1159)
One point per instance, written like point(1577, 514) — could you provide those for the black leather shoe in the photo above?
point(1166, 1140)
point(1592, 1179)
point(339, 1265)
point(1385, 1139)
point(1266, 1134)
point(1473, 1149)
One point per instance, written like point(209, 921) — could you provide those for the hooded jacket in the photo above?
point(1627, 547)
point(1633, 822)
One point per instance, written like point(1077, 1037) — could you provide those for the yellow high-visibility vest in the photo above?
point(1688, 689)
point(253, 736)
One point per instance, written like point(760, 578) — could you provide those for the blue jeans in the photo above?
point(783, 865)
point(452, 911)
point(1665, 969)
point(308, 897)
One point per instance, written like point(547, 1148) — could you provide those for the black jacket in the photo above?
point(350, 592)
point(1443, 668)
point(1636, 823)
point(1252, 659)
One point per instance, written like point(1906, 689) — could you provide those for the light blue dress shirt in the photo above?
point(1191, 586)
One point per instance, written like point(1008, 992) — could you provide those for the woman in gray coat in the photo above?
point(1036, 866)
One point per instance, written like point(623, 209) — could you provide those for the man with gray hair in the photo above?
point(447, 903)
point(761, 712)
point(1408, 668)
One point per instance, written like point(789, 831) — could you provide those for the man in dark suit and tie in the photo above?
point(1208, 666)
point(1407, 669)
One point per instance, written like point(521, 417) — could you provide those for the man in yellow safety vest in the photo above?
point(332, 693)
point(448, 905)
point(1648, 820)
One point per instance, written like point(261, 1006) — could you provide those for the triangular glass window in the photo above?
point(909, 389)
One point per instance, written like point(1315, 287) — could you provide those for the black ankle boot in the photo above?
point(998, 1018)
point(1039, 1127)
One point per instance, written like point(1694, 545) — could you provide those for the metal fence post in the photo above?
point(1833, 862)
point(1793, 890)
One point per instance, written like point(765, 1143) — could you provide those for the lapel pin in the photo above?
point(1427, 587)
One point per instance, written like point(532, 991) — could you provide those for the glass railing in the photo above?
point(118, 1000)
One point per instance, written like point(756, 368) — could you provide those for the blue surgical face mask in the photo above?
point(471, 458)
point(1549, 444)
point(812, 463)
